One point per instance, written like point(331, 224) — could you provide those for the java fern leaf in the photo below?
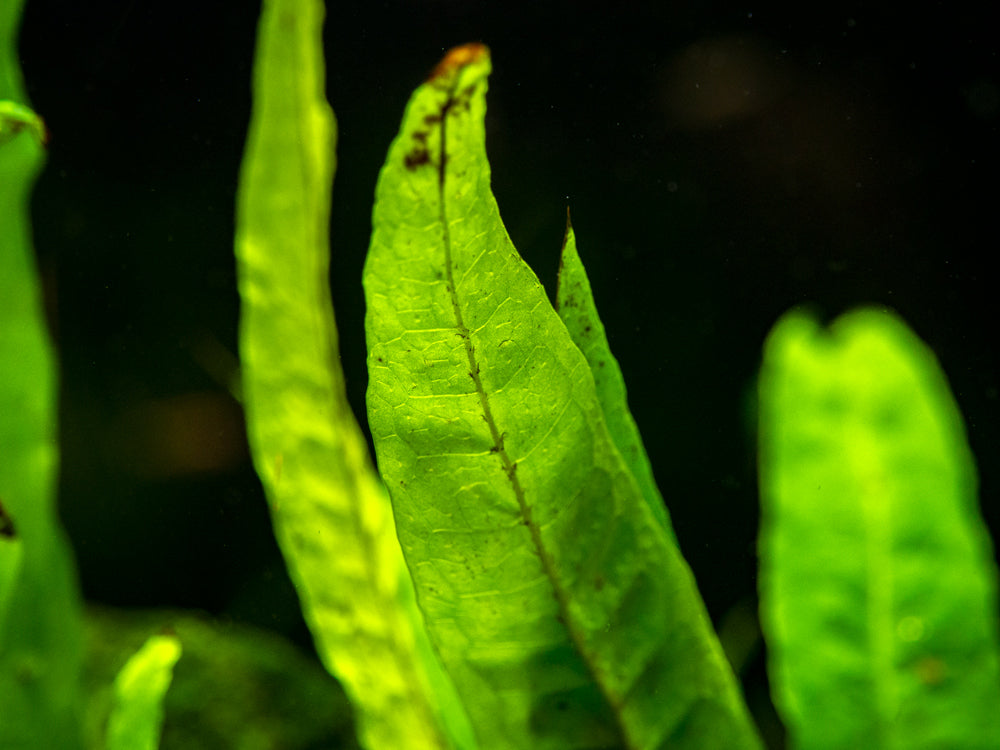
point(41, 645)
point(140, 687)
point(556, 598)
point(332, 518)
point(878, 586)
point(576, 306)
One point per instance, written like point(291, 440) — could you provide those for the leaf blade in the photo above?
point(40, 609)
point(871, 543)
point(331, 516)
point(485, 416)
point(137, 713)
point(576, 306)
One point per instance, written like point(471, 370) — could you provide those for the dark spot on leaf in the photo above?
point(6, 524)
point(416, 158)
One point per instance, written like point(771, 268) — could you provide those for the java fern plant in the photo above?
point(510, 577)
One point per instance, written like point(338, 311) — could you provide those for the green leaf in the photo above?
point(575, 303)
point(878, 587)
point(40, 619)
point(137, 713)
point(555, 597)
point(331, 515)
point(236, 687)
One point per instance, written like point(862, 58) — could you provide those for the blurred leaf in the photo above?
point(137, 715)
point(331, 515)
point(16, 118)
point(878, 587)
point(237, 687)
point(555, 597)
point(40, 630)
point(575, 303)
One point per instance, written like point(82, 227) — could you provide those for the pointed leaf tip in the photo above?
point(458, 58)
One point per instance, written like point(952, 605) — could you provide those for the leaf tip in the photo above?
point(458, 58)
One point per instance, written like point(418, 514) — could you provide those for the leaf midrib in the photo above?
point(875, 496)
point(509, 465)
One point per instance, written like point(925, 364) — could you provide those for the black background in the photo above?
point(723, 163)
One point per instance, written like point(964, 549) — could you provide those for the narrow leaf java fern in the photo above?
point(331, 515)
point(554, 594)
point(40, 617)
point(878, 586)
point(575, 303)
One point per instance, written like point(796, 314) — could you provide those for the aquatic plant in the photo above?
point(509, 576)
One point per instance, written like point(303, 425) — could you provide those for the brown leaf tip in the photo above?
point(457, 58)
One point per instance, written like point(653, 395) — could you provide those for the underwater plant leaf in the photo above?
point(332, 518)
point(40, 610)
point(556, 599)
point(576, 306)
point(878, 586)
point(140, 687)
point(237, 686)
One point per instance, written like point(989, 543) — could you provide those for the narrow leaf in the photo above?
point(40, 618)
point(575, 303)
point(137, 713)
point(331, 515)
point(878, 587)
point(556, 599)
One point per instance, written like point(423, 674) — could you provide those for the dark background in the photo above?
point(723, 163)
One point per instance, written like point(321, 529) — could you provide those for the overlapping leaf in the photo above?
point(555, 597)
point(575, 303)
point(331, 515)
point(878, 586)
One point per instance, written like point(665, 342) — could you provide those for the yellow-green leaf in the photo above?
point(331, 515)
point(137, 712)
point(575, 303)
point(555, 597)
point(878, 586)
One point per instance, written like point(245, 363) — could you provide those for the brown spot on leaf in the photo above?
point(6, 524)
point(457, 58)
point(416, 158)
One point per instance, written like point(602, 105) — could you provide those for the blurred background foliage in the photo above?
point(723, 162)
